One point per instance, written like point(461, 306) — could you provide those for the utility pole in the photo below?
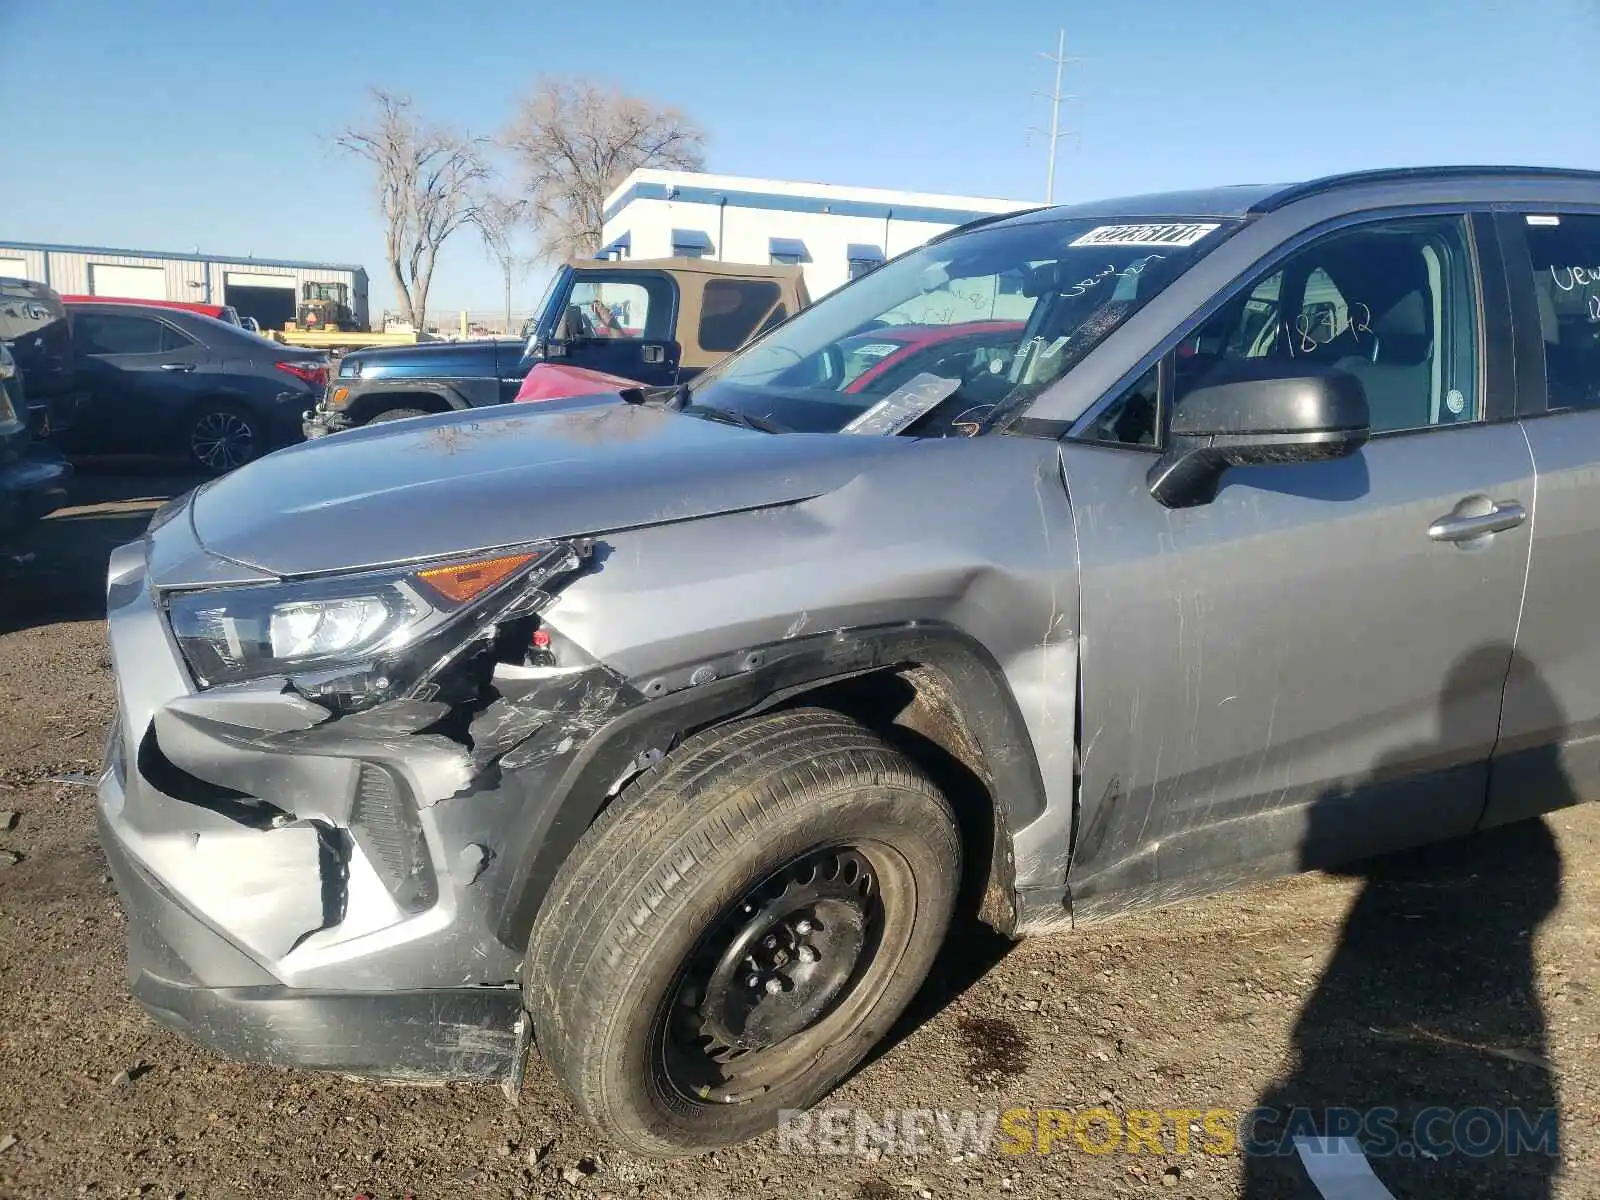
point(1055, 97)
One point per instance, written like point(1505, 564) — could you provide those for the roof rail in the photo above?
point(1314, 187)
point(987, 219)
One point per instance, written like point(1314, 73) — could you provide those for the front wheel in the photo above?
point(221, 437)
point(732, 938)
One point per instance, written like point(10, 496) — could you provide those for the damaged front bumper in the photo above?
point(317, 890)
point(322, 420)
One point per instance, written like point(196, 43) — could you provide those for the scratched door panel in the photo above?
point(1553, 694)
point(1294, 673)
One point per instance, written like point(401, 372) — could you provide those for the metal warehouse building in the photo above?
point(263, 288)
point(834, 233)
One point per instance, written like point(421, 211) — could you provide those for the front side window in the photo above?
point(1391, 303)
point(627, 309)
point(982, 319)
point(1565, 254)
point(730, 310)
point(109, 333)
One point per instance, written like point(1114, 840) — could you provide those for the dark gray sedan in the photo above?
point(167, 381)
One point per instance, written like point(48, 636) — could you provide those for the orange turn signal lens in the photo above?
point(340, 395)
point(461, 582)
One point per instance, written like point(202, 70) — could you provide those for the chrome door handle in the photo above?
point(1461, 527)
point(177, 366)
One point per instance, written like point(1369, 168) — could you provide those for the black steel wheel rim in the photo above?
point(785, 972)
point(222, 440)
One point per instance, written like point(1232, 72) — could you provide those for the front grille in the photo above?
point(384, 824)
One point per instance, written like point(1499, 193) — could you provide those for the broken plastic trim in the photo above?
point(412, 671)
point(394, 623)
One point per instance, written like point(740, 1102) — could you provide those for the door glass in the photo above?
point(1565, 253)
point(730, 309)
point(108, 333)
point(171, 339)
point(1392, 304)
point(1130, 420)
point(618, 309)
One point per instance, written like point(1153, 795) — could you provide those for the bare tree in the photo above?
point(500, 218)
point(428, 178)
point(575, 141)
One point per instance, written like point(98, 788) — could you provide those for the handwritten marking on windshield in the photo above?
point(1131, 271)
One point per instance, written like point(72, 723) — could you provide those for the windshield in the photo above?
point(933, 342)
point(539, 325)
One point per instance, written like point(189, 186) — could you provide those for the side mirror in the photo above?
point(573, 326)
point(1257, 418)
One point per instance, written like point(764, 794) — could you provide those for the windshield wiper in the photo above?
point(729, 416)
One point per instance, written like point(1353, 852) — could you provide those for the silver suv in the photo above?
point(1197, 538)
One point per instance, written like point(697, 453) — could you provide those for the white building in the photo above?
point(835, 233)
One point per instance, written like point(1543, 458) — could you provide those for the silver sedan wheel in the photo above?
point(222, 441)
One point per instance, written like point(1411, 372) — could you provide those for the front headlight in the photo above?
point(359, 639)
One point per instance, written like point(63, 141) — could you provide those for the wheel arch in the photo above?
point(431, 399)
point(932, 691)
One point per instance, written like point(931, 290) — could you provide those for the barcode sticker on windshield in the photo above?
point(904, 406)
point(1186, 234)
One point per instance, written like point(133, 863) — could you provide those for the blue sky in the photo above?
point(174, 125)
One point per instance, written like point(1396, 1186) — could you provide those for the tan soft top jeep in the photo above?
point(659, 321)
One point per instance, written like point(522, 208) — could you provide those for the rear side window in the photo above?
point(110, 333)
point(1565, 254)
point(777, 317)
point(730, 310)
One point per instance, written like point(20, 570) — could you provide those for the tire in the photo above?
point(220, 437)
point(396, 414)
point(798, 827)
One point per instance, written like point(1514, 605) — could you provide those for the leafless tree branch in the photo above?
point(429, 179)
point(575, 141)
point(500, 219)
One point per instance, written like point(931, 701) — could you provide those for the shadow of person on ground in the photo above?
point(1429, 1009)
point(56, 570)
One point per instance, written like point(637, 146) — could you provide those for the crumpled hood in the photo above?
point(433, 486)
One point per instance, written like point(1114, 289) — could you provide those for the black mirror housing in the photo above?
point(1257, 415)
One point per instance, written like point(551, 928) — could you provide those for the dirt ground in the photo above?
point(1464, 976)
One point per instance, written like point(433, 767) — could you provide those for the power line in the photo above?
point(1060, 59)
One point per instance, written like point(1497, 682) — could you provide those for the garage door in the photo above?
point(252, 279)
point(14, 268)
point(270, 299)
point(136, 283)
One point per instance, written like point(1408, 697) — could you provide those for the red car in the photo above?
point(220, 312)
point(880, 360)
point(873, 363)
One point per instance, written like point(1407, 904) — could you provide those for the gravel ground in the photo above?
point(1462, 976)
